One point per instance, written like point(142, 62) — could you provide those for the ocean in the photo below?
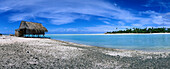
point(142, 42)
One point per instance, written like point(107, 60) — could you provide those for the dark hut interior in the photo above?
point(31, 29)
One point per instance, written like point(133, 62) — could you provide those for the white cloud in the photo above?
point(137, 25)
point(106, 22)
point(158, 19)
point(105, 28)
point(65, 11)
point(121, 23)
point(157, 3)
point(4, 9)
point(64, 30)
point(21, 16)
point(98, 28)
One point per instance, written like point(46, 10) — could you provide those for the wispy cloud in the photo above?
point(65, 11)
point(158, 3)
point(98, 28)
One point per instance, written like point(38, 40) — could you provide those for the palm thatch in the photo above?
point(30, 28)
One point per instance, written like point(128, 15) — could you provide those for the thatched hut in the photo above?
point(30, 28)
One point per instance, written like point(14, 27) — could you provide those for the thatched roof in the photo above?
point(32, 26)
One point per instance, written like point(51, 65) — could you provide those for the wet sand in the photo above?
point(26, 53)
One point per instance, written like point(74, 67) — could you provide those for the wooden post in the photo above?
point(43, 34)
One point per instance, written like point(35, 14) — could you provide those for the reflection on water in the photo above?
point(147, 42)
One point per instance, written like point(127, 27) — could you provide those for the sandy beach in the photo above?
point(39, 53)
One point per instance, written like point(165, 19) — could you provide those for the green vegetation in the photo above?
point(145, 30)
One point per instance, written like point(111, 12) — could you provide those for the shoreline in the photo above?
point(154, 49)
point(110, 48)
point(17, 52)
point(111, 34)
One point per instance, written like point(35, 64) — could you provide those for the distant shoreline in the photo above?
point(109, 34)
point(104, 34)
point(137, 33)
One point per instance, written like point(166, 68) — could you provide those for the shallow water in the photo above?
point(144, 42)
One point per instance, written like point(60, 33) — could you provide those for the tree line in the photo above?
point(145, 30)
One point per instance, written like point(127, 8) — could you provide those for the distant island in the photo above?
point(139, 30)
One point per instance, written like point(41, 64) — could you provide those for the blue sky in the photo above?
point(84, 16)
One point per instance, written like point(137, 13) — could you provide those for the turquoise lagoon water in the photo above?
point(144, 42)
